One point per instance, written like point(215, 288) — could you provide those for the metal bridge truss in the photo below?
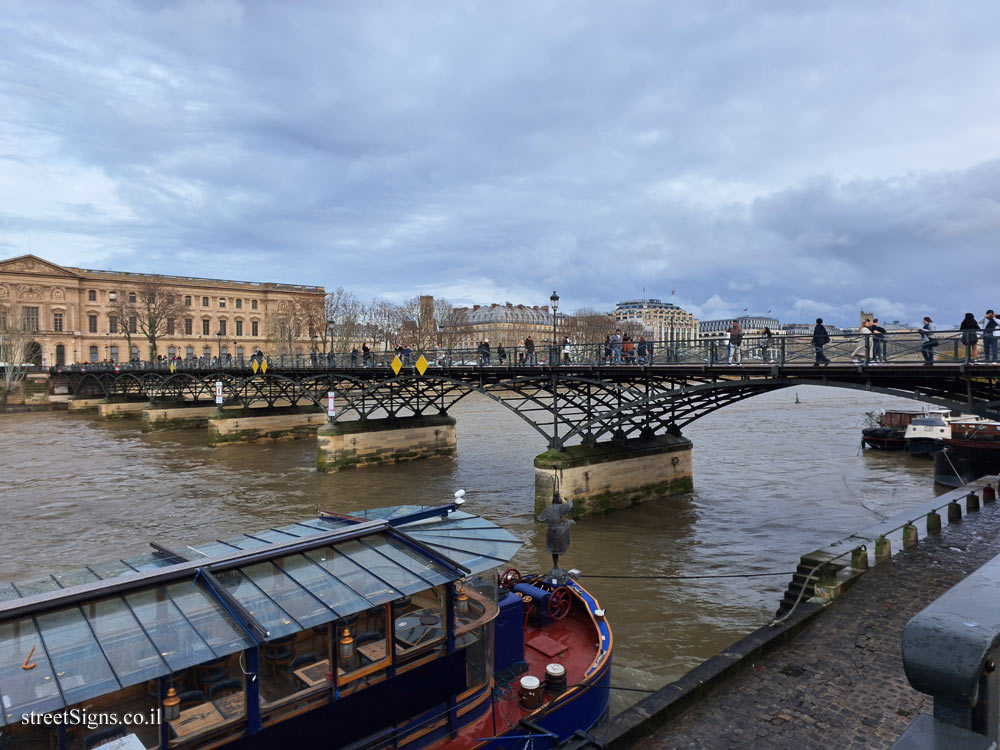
point(565, 404)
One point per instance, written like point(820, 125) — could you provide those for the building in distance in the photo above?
point(752, 325)
point(77, 315)
point(663, 322)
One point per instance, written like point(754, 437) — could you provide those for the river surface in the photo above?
point(773, 480)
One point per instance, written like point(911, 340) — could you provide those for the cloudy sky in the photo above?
point(807, 158)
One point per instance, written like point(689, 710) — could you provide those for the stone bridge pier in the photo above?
point(369, 442)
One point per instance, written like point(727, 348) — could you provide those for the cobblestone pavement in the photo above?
point(839, 683)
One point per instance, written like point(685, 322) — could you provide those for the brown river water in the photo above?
point(773, 480)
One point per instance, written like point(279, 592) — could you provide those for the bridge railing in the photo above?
point(845, 348)
point(950, 652)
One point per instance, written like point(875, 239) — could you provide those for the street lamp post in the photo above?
point(554, 356)
point(553, 361)
point(219, 334)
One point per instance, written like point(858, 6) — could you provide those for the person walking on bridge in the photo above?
point(990, 325)
point(928, 334)
point(736, 344)
point(529, 351)
point(820, 339)
point(862, 347)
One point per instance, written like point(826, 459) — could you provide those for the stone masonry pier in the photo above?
point(369, 442)
point(830, 676)
point(611, 476)
point(250, 427)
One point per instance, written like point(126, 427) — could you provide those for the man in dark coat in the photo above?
point(820, 339)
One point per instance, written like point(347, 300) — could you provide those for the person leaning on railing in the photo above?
point(970, 337)
point(990, 327)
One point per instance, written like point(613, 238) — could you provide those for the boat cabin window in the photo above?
point(295, 671)
point(361, 652)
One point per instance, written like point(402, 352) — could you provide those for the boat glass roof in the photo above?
point(116, 633)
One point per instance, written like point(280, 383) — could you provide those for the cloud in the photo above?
point(492, 152)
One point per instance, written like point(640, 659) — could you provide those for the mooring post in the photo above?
point(954, 512)
point(933, 522)
point(883, 549)
point(971, 502)
point(989, 494)
point(859, 559)
point(909, 536)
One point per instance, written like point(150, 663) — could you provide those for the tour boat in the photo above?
point(971, 451)
point(389, 628)
point(892, 425)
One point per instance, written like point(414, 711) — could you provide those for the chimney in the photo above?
point(475, 307)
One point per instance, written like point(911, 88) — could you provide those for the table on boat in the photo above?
point(420, 625)
point(316, 673)
point(374, 651)
point(232, 705)
point(196, 719)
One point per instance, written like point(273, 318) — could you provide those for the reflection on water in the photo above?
point(773, 479)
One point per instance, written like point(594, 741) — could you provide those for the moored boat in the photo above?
point(971, 451)
point(925, 436)
point(387, 628)
point(889, 431)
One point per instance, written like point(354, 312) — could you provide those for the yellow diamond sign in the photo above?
point(172, 367)
point(263, 367)
point(254, 366)
point(422, 365)
point(397, 364)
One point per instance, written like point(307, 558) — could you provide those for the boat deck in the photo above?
point(561, 642)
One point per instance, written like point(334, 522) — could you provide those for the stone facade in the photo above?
point(353, 444)
point(70, 313)
point(663, 322)
point(613, 476)
point(505, 324)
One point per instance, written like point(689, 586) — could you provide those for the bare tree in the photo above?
point(343, 315)
point(383, 321)
point(588, 326)
point(147, 312)
point(418, 321)
point(312, 313)
point(286, 324)
point(14, 341)
point(124, 312)
point(452, 323)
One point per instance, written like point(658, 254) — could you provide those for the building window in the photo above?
point(57, 322)
point(253, 328)
point(92, 295)
point(112, 324)
point(112, 296)
point(239, 352)
point(188, 326)
point(170, 326)
point(253, 304)
point(298, 330)
point(204, 301)
point(205, 327)
point(239, 327)
point(135, 353)
point(239, 304)
point(222, 326)
point(187, 301)
point(133, 324)
point(29, 320)
point(189, 352)
point(92, 323)
point(131, 298)
point(222, 303)
point(93, 354)
point(114, 353)
point(206, 353)
point(171, 351)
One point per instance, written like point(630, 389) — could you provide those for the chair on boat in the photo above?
point(104, 735)
point(369, 636)
point(224, 687)
point(279, 652)
point(210, 673)
point(190, 698)
point(302, 660)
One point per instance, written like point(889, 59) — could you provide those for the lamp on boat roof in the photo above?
point(171, 705)
point(462, 601)
point(346, 650)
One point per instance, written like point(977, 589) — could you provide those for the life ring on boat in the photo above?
point(510, 578)
point(560, 602)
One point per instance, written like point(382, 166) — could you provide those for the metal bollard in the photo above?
point(933, 522)
point(954, 512)
point(859, 559)
point(989, 494)
point(972, 502)
point(909, 536)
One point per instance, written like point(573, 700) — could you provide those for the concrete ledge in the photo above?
point(155, 419)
